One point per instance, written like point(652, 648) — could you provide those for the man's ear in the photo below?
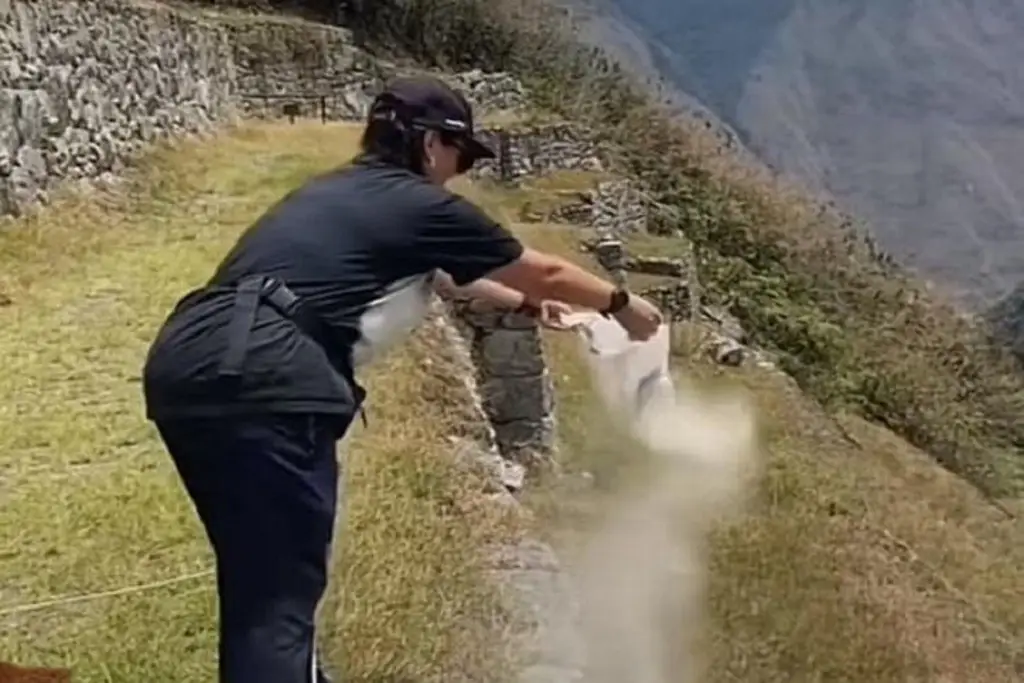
point(430, 138)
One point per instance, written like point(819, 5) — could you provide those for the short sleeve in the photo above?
point(457, 237)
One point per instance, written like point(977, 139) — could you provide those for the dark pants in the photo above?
point(265, 488)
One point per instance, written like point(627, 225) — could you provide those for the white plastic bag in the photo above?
point(630, 375)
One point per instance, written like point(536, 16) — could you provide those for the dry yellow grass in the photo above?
point(863, 562)
point(90, 502)
point(858, 564)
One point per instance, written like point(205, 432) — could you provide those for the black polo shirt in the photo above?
point(360, 247)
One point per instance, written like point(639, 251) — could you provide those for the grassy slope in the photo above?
point(848, 325)
point(90, 501)
point(859, 563)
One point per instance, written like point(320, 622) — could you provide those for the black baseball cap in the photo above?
point(428, 103)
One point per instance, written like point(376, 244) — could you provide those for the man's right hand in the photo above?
point(640, 318)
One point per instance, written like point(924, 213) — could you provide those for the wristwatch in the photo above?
point(619, 300)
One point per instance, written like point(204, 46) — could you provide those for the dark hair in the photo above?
point(386, 142)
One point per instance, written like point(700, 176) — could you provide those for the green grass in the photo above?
point(90, 501)
point(864, 563)
point(861, 559)
point(857, 332)
point(857, 563)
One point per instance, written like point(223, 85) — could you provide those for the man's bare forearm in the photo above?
point(547, 276)
point(489, 291)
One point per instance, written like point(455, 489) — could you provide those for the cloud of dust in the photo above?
point(641, 579)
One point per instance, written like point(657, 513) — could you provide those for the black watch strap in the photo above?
point(619, 300)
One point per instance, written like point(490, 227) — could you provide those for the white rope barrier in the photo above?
point(60, 601)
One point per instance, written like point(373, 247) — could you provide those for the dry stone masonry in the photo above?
point(289, 59)
point(313, 70)
point(679, 299)
point(614, 210)
point(477, 449)
point(538, 150)
point(84, 85)
point(512, 376)
point(493, 92)
point(544, 638)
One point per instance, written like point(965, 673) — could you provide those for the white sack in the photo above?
point(629, 374)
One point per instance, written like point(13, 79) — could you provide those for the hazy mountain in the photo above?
point(909, 112)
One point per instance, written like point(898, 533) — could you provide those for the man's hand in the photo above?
point(553, 314)
point(640, 318)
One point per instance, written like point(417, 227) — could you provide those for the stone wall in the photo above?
point(614, 211)
point(538, 150)
point(318, 68)
point(84, 85)
point(333, 96)
point(511, 373)
point(613, 208)
point(478, 445)
point(87, 84)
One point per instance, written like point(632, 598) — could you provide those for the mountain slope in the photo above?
point(907, 112)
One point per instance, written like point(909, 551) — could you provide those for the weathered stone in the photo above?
point(673, 299)
point(527, 441)
point(539, 150)
point(726, 323)
point(512, 353)
point(88, 84)
point(517, 398)
point(498, 473)
point(481, 320)
point(73, 75)
point(656, 265)
point(547, 642)
point(726, 351)
point(610, 254)
point(518, 321)
point(515, 391)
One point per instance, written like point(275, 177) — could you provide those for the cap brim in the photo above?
point(479, 150)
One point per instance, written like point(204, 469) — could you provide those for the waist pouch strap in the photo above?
point(247, 300)
point(249, 293)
